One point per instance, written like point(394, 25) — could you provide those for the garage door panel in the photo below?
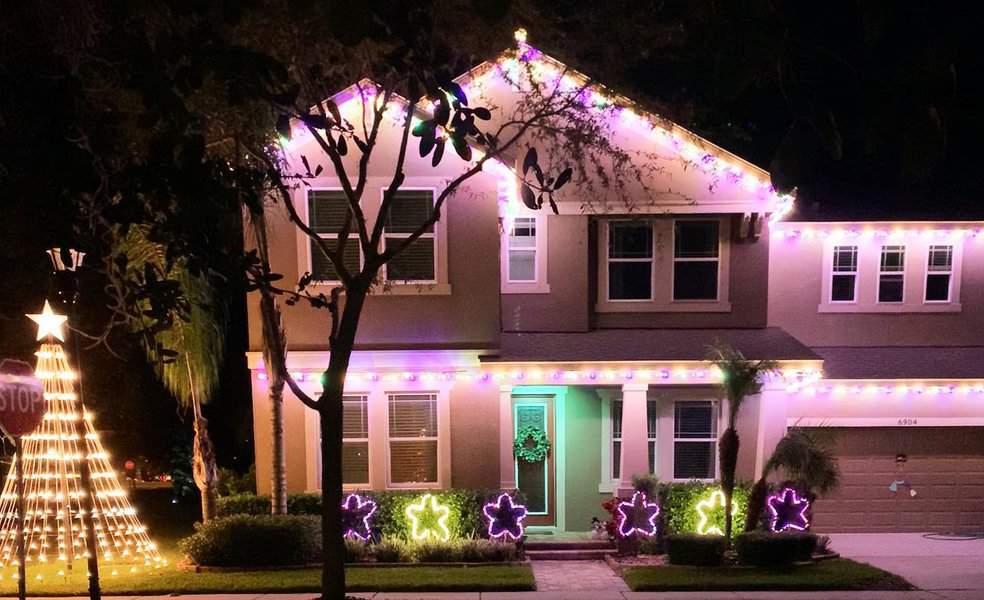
point(945, 467)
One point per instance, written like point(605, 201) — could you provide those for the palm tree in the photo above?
point(803, 457)
point(186, 349)
point(274, 356)
point(740, 378)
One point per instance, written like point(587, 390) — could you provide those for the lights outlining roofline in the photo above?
point(880, 231)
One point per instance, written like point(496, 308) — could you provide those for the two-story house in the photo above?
point(593, 326)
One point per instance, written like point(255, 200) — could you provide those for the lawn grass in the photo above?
point(359, 579)
point(836, 574)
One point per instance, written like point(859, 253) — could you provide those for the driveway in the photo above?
point(953, 568)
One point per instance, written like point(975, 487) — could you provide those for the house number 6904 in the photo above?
point(908, 421)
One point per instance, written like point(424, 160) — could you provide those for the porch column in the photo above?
point(635, 435)
point(507, 468)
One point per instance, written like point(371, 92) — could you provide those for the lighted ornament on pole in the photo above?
point(22, 408)
point(505, 518)
point(637, 516)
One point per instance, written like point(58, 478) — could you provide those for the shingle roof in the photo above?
point(647, 344)
point(910, 362)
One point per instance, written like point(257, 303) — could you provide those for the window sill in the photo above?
point(525, 288)
point(413, 486)
point(618, 306)
point(607, 487)
point(898, 308)
point(412, 289)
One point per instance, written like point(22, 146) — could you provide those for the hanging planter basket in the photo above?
point(531, 444)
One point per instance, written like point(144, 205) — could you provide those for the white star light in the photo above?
point(49, 323)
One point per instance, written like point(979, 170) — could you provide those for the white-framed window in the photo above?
point(630, 261)
point(891, 275)
point(695, 439)
point(696, 259)
point(939, 273)
point(521, 265)
point(355, 439)
point(413, 439)
point(326, 216)
point(616, 429)
point(844, 274)
point(408, 210)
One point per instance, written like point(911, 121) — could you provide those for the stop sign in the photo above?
point(22, 404)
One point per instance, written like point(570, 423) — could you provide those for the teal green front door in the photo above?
point(536, 480)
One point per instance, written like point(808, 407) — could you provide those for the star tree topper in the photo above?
point(788, 511)
point(356, 512)
point(637, 516)
point(505, 517)
point(49, 323)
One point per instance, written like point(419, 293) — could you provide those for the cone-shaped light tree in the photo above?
point(54, 527)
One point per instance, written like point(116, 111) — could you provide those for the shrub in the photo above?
point(438, 552)
point(391, 550)
point(232, 483)
point(356, 551)
point(693, 549)
point(650, 545)
point(255, 540)
point(763, 549)
point(242, 504)
point(486, 551)
point(680, 507)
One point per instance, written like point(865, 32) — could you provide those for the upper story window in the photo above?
point(326, 214)
point(891, 274)
point(407, 212)
point(696, 256)
point(355, 440)
point(630, 260)
point(939, 272)
point(522, 250)
point(844, 274)
point(413, 439)
point(694, 439)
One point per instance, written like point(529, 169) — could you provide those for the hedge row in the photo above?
point(755, 548)
point(465, 507)
point(255, 540)
point(679, 504)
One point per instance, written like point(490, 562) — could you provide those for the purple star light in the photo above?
point(505, 518)
point(637, 516)
point(788, 511)
point(356, 512)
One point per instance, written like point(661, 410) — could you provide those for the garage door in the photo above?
point(945, 467)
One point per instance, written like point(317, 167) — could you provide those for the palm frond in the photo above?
point(197, 336)
point(740, 377)
point(808, 457)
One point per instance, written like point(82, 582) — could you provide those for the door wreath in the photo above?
point(531, 444)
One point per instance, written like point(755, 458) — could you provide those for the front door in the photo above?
point(536, 479)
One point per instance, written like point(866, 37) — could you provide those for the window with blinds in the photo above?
point(413, 438)
point(522, 250)
point(408, 211)
point(939, 271)
point(326, 216)
point(694, 440)
point(355, 440)
point(696, 258)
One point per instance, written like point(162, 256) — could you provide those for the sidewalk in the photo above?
point(584, 595)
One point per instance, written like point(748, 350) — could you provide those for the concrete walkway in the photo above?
point(952, 569)
point(576, 575)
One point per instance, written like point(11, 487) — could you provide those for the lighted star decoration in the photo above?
point(707, 506)
point(637, 516)
point(505, 518)
point(428, 510)
point(788, 511)
point(356, 512)
point(49, 323)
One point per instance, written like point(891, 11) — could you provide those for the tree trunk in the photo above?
point(729, 463)
point(330, 403)
point(274, 358)
point(204, 469)
point(278, 484)
point(756, 504)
